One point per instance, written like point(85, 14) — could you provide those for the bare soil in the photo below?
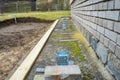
point(16, 41)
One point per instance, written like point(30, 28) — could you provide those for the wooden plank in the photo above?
point(24, 68)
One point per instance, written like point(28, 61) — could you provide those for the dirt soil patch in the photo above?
point(22, 20)
point(16, 41)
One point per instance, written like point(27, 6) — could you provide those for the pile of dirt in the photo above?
point(16, 41)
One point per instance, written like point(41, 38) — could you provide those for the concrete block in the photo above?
point(97, 35)
point(105, 6)
point(94, 34)
point(101, 22)
point(93, 6)
point(102, 52)
point(92, 31)
point(52, 72)
point(100, 5)
point(98, 21)
point(113, 15)
point(117, 4)
point(96, 1)
point(114, 66)
point(95, 13)
point(110, 25)
point(111, 35)
point(94, 42)
point(117, 51)
point(107, 14)
point(117, 27)
point(101, 38)
point(100, 29)
point(102, 14)
point(118, 40)
point(119, 18)
point(96, 7)
point(111, 5)
point(90, 7)
point(94, 26)
point(105, 23)
point(112, 46)
point(89, 37)
point(106, 41)
point(94, 20)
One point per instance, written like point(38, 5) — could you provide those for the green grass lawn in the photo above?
point(40, 15)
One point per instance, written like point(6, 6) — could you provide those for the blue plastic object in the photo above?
point(64, 25)
point(63, 53)
point(62, 58)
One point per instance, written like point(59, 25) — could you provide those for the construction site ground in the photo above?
point(16, 41)
point(67, 39)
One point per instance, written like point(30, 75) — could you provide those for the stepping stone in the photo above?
point(68, 33)
point(55, 71)
point(69, 40)
point(40, 70)
point(39, 77)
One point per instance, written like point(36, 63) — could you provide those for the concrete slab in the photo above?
point(59, 70)
point(39, 77)
point(70, 40)
point(69, 33)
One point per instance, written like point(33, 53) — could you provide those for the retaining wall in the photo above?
point(99, 21)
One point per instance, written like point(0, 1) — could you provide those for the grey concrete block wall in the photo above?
point(99, 21)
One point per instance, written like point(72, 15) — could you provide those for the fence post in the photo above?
point(15, 19)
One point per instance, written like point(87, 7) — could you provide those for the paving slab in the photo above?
point(60, 70)
point(39, 77)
